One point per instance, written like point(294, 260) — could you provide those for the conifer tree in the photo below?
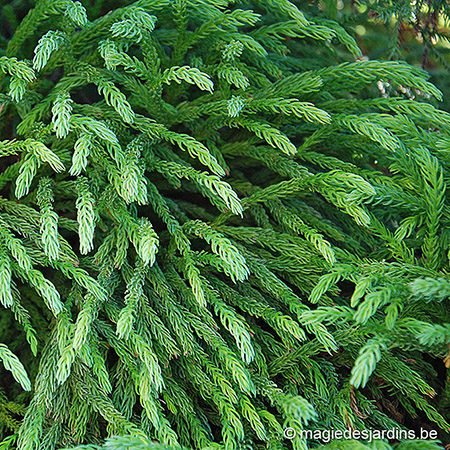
point(215, 232)
point(415, 31)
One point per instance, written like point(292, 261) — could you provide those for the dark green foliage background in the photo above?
point(416, 32)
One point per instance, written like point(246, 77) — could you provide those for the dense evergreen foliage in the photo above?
point(214, 228)
point(415, 31)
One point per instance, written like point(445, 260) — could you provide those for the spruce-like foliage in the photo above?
point(415, 31)
point(214, 228)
